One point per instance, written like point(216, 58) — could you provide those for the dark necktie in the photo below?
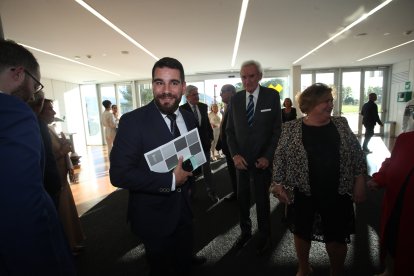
point(250, 111)
point(196, 114)
point(173, 125)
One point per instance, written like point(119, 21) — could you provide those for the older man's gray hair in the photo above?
point(254, 63)
point(228, 88)
point(189, 89)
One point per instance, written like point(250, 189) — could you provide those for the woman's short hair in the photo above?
point(312, 96)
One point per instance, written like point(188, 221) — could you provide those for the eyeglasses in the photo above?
point(39, 86)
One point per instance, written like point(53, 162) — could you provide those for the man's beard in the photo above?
point(23, 92)
point(167, 109)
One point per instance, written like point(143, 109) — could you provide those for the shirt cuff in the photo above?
point(173, 183)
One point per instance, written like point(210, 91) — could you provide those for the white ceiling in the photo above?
point(201, 34)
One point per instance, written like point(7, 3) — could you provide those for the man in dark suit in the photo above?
point(253, 131)
point(200, 112)
point(227, 92)
point(370, 117)
point(32, 241)
point(159, 203)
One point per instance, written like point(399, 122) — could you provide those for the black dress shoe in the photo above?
point(242, 241)
point(263, 245)
point(231, 197)
point(198, 260)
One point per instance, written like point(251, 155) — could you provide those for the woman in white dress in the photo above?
point(215, 121)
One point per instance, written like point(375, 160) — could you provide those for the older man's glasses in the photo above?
point(39, 86)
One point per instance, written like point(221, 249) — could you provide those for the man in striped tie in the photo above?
point(253, 131)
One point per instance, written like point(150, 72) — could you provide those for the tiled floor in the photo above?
point(94, 182)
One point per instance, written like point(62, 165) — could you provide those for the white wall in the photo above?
point(401, 73)
point(67, 104)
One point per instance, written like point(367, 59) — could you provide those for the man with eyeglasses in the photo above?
point(31, 237)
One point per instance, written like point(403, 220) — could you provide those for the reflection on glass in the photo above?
point(91, 108)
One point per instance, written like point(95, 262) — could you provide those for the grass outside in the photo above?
point(350, 109)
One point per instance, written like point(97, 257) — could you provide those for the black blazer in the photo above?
point(153, 209)
point(222, 142)
point(261, 139)
point(204, 129)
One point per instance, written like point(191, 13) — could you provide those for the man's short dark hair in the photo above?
point(106, 103)
point(169, 63)
point(13, 54)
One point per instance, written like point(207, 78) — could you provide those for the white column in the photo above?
point(295, 85)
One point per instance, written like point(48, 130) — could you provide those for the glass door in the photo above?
point(374, 83)
point(350, 96)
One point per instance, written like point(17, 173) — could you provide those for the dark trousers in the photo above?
point(171, 255)
point(261, 183)
point(232, 172)
point(369, 132)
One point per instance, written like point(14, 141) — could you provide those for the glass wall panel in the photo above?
point(108, 93)
point(326, 78)
point(279, 84)
point(350, 96)
point(91, 110)
point(305, 81)
point(124, 93)
point(374, 83)
point(145, 92)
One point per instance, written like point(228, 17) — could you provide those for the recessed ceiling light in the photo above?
point(77, 57)
point(387, 34)
point(362, 34)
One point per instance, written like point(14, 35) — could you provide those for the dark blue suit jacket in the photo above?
point(31, 237)
point(153, 210)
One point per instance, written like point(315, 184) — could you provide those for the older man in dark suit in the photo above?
point(200, 112)
point(253, 131)
point(159, 203)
